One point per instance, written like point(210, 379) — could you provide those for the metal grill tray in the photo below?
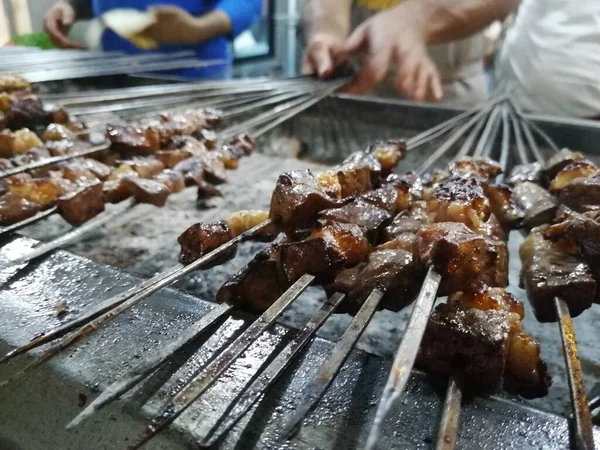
point(46, 401)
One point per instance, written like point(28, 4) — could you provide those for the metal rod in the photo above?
point(26, 222)
point(140, 293)
point(505, 144)
point(180, 402)
point(331, 366)
point(142, 370)
point(535, 149)
point(253, 393)
point(468, 144)
point(521, 151)
point(448, 430)
point(583, 431)
point(406, 354)
point(73, 235)
point(487, 132)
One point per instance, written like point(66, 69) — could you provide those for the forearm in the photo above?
point(449, 20)
point(326, 16)
point(212, 25)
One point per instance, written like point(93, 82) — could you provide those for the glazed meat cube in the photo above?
point(144, 167)
point(297, 200)
point(484, 297)
point(579, 169)
point(132, 139)
point(146, 191)
point(459, 200)
point(550, 271)
point(409, 179)
point(57, 132)
point(493, 229)
point(44, 192)
point(393, 197)
point(115, 191)
point(17, 142)
point(243, 142)
point(366, 215)
point(14, 208)
point(173, 181)
point(503, 206)
point(407, 222)
point(27, 112)
point(584, 229)
point(561, 160)
point(582, 194)
point(80, 206)
point(532, 172)
point(170, 158)
point(202, 238)
point(206, 137)
point(481, 168)
point(538, 205)
point(388, 154)
point(469, 343)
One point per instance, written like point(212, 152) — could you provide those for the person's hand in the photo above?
point(394, 36)
point(173, 25)
point(57, 23)
point(319, 56)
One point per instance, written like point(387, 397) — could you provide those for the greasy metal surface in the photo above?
point(145, 243)
point(341, 420)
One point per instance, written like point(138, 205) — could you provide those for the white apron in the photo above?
point(460, 62)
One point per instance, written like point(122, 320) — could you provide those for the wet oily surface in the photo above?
point(341, 420)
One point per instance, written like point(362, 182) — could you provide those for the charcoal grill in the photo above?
point(350, 125)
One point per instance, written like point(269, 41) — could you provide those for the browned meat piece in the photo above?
point(35, 154)
point(366, 215)
point(481, 168)
point(212, 118)
point(257, 285)
point(59, 115)
point(132, 139)
point(561, 160)
point(44, 192)
point(170, 158)
point(198, 170)
point(503, 206)
point(27, 112)
point(80, 206)
point(344, 282)
point(408, 179)
point(393, 273)
point(404, 241)
point(461, 256)
point(469, 343)
point(329, 248)
point(484, 297)
point(532, 172)
point(391, 197)
point(115, 191)
point(549, 271)
point(17, 142)
point(202, 238)
point(10, 82)
point(388, 154)
point(297, 200)
point(146, 191)
point(582, 194)
point(407, 222)
point(207, 137)
point(538, 204)
point(144, 167)
point(174, 181)
point(57, 132)
point(494, 229)
point(358, 173)
point(242, 142)
point(459, 200)
point(579, 169)
point(78, 173)
point(60, 148)
point(584, 229)
point(14, 208)
point(242, 221)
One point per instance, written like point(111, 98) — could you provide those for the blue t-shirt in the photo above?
point(242, 13)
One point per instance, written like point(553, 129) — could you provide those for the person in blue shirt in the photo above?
point(206, 26)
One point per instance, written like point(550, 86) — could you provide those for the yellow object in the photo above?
point(130, 24)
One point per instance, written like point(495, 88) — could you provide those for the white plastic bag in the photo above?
point(550, 59)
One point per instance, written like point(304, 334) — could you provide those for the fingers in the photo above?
point(418, 77)
point(57, 30)
point(374, 68)
point(318, 59)
point(356, 42)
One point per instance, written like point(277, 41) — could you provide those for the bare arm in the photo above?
point(326, 25)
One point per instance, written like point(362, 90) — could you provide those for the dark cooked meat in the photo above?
point(468, 343)
point(27, 112)
point(242, 142)
point(174, 181)
point(146, 191)
point(80, 206)
point(532, 172)
point(144, 167)
point(199, 170)
point(388, 154)
point(133, 139)
point(366, 215)
point(560, 160)
point(481, 168)
point(42, 191)
point(549, 270)
point(483, 297)
point(582, 194)
point(391, 271)
point(17, 142)
point(202, 238)
point(57, 132)
point(407, 221)
point(330, 247)
point(170, 158)
point(538, 204)
point(407, 179)
point(461, 256)
point(459, 199)
point(14, 208)
point(503, 206)
point(115, 191)
point(258, 284)
point(584, 229)
point(297, 200)
point(579, 169)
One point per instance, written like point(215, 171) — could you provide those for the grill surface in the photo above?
point(143, 242)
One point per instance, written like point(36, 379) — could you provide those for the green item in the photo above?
point(41, 40)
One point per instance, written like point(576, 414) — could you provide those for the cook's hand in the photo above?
point(57, 23)
point(173, 25)
point(319, 55)
point(396, 36)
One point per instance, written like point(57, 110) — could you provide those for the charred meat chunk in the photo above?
point(132, 139)
point(170, 158)
point(538, 205)
point(27, 112)
point(469, 343)
point(366, 215)
point(561, 160)
point(484, 297)
point(579, 169)
point(80, 206)
point(146, 191)
point(144, 167)
point(57, 132)
point(532, 172)
point(243, 143)
point(459, 200)
point(388, 154)
point(503, 206)
point(42, 191)
point(405, 222)
point(584, 229)
point(549, 271)
point(202, 238)
point(582, 194)
point(17, 142)
point(297, 200)
point(409, 179)
point(481, 168)
point(173, 181)
point(115, 191)
point(14, 208)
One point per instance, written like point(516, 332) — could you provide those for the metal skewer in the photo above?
point(29, 221)
point(218, 366)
